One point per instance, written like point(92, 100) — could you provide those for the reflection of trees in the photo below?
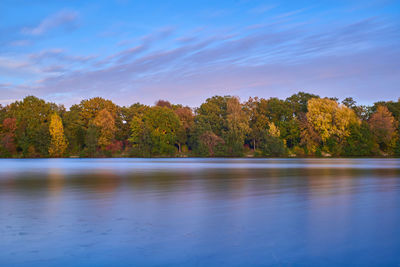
point(233, 181)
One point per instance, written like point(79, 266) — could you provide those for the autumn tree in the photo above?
point(105, 123)
point(186, 118)
point(163, 103)
point(32, 119)
point(383, 127)
point(8, 136)
point(90, 108)
point(210, 140)
point(310, 139)
point(58, 144)
point(330, 120)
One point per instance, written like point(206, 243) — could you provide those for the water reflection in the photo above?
point(125, 212)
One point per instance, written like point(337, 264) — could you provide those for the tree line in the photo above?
point(301, 125)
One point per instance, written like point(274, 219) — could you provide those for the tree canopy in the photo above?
point(301, 125)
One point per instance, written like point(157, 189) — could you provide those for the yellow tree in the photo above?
point(273, 130)
point(58, 143)
point(328, 118)
point(106, 124)
point(329, 122)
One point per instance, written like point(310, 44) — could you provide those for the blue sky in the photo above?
point(187, 51)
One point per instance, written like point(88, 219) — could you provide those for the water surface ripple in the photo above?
point(199, 212)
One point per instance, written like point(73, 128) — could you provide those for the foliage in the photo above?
point(91, 139)
point(301, 125)
point(273, 146)
point(210, 140)
point(238, 127)
point(360, 141)
point(383, 126)
point(8, 137)
point(330, 122)
point(32, 119)
point(155, 132)
point(105, 123)
point(58, 143)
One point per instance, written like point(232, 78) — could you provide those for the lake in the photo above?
point(199, 212)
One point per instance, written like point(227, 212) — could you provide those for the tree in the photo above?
point(8, 136)
point(32, 119)
point(155, 131)
point(210, 140)
point(74, 129)
point(310, 139)
point(299, 102)
point(90, 108)
point(163, 103)
point(257, 122)
point(330, 120)
point(360, 141)
point(273, 130)
point(238, 126)
point(349, 102)
point(106, 126)
point(213, 114)
point(91, 140)
point(383, 127)
point(186, 118)
point(58, 143)
point(272, 145)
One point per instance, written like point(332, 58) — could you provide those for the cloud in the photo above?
point(58, 55)
point(261, 9)
point(17, 67)
point(20, 43)
point(63, 18)
point(274, 60)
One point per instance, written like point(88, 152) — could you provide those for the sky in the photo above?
point(186, 51)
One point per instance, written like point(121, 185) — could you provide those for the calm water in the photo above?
point(200, 212)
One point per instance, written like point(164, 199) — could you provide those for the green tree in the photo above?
point(211, 116)
point(272, 145)
point(299, 102)
point(155, 131)
point(32, 118)
point(91, 140)
point(238, 126)
point(257, 122)
point(74, 129)
point(360, 141)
